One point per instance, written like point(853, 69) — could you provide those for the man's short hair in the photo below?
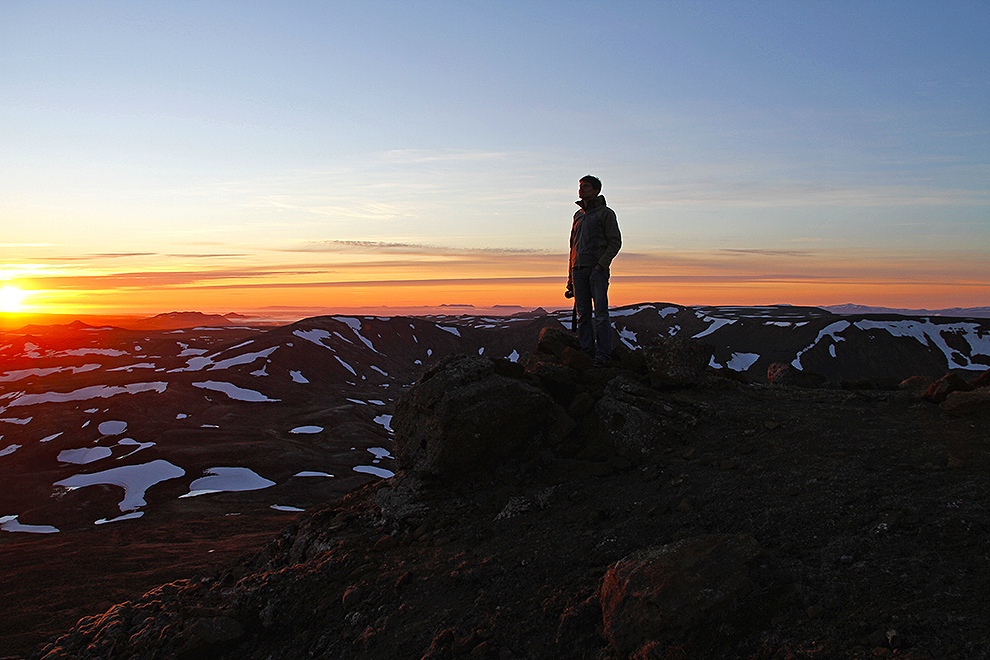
point(593, 180)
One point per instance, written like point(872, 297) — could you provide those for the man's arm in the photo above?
point(613, 239)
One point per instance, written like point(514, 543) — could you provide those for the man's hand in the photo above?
point(569, 293)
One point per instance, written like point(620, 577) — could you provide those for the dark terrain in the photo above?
point(855, 509)
point(867, 509)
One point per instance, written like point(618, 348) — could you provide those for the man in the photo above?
point(595, 241)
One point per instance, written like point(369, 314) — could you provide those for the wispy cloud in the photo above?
point(408, 248)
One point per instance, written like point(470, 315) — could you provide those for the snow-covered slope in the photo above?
point(103, 425)
point(100, 425)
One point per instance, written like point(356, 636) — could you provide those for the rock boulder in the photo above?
point(944, 386)
point(678, 362)
point(465, 413)
point(677, 593)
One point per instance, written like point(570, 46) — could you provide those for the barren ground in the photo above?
point(871, 506)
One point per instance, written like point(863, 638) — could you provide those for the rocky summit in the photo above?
point(660, 507)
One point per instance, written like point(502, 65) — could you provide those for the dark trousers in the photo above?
point(593, 327)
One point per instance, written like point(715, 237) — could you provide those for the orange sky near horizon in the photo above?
point(411, 278)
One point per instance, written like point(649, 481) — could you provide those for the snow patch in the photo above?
point(112, 427)
point(315, 335)
point(346, 366)
point(742, 361)
point(307, 430)
point(385, 421)
point(10, 524)
point(227, 479)
point(137, 446)
point(928, 333)
point(376, 471)
point(86, 393)
point(127, 516)
point(628, 337)
point(831, 331)
point(234, 392)
point(716, 324)
point(84, 455)
point(355, 325)
point(134, 479)
point(246, 358)
point(379, 453)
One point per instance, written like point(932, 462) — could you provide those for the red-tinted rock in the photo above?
point(966, 403)
point(945, 386)
point(786, 375)
point(668, 594)
point(983, 380)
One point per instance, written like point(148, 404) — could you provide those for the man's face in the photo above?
point(586, 190)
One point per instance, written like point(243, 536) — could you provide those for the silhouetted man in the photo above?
point(595, 240)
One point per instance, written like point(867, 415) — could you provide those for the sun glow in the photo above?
point(11, 299)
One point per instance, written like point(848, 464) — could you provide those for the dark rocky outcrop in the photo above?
point(678, 362)
point(944, 386)
point(467, 412)
point(636, 420)
point(786, 375)
point(966, 402)
point(680, 593)
point(983, 380)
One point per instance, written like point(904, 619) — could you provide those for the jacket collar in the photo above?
point(591, 204)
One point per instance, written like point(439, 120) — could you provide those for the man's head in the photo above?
point(589, 187)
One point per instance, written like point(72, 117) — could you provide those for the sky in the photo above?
point(237, 156)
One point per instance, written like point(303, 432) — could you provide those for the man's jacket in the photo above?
point(595, 238)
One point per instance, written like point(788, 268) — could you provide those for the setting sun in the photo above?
point(11, 298)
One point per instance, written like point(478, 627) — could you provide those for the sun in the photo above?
point(11, 298)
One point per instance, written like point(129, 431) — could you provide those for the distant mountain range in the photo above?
point(189, 408)
point(964, 312)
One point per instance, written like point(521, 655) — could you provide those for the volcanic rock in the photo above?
point(983, 380)
point(944, 386)
point(554, 341)
point(677, 361)
point(787, 375)
point(915, 384)
point(635, 418)
point(965, 403)
point(678, 591)
point(463, 414)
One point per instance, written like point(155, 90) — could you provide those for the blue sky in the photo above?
point(158, 153)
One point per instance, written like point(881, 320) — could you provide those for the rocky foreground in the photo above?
point(550, 509)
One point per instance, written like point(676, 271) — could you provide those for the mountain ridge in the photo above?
point(955, 312)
